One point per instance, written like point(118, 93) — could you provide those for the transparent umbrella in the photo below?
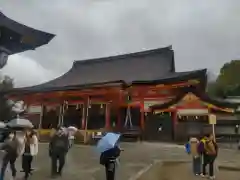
point(19, 123)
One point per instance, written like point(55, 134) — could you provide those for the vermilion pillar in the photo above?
point(120, 100)
point(83, 108)
point(174, 119)
point(107, 116)
point(142, 121)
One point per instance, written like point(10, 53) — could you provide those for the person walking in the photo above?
point(210, 152)
point(11, 146)
point(30, 150)
point(194, 142)
point(58, 148)
point(109, 159)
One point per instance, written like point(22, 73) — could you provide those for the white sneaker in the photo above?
point(212, 177)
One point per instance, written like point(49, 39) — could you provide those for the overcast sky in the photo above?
point(203, 33)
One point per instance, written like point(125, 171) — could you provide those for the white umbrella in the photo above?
point(20, 123)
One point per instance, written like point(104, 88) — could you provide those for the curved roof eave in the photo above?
point(202, 95)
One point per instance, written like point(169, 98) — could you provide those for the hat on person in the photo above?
point(193, 139)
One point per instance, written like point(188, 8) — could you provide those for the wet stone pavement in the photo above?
point(83, 162)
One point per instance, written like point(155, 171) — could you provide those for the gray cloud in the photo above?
point(203, 33)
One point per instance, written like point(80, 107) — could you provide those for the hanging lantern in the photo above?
point(101, 106)
point(145, 113)
point(3, 59)
point(77, 106)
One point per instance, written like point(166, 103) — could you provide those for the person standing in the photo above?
point(194, 142)
point(209, 156)
point(109, 159)
point(30, 150)
point(12, 150)
point(58, 148)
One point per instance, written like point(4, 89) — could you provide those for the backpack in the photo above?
point(210, 148)
point(188, 148)
point(103, 159)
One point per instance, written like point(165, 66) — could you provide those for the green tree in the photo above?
point(6, 83)
point(228, 81)
point(214, 90)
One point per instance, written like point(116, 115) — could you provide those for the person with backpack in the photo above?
point(58, 148)
point(194, 142)
point(192, 148)
point(12, 148)
point(209, 150)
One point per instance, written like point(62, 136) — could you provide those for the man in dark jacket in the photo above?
point(58, 148)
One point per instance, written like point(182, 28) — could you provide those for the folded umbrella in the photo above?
point(107, 142)
point(20, 123)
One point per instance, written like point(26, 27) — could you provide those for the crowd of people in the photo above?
point(15, 146)
point(25, 145)
point(204, 152)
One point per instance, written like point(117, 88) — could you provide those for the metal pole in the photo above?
point(213, 131)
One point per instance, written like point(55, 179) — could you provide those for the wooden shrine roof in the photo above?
point(202, 96)
point(16, 37)
point(148, 67)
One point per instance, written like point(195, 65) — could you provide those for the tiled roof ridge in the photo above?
point(122, 56)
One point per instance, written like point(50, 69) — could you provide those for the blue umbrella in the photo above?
point(107, 142)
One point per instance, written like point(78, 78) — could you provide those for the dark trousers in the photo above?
point(110, 168)
point(197, 165)
point(8, 158)
point(58, 158)
point(27, 164)
point(208, 160)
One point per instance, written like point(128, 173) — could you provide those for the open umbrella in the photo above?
point(107, 142)
point(20, 123)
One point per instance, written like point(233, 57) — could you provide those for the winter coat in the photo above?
point(33, 143)
point(113, 153)
point(59, 143)
point(194, 147)
point(12, 147)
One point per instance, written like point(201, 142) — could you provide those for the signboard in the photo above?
point(212, 119)
point(192, 112)
point(34, 109)
point(148, 104)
